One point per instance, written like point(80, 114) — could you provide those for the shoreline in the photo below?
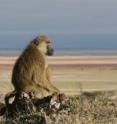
point(69, 60)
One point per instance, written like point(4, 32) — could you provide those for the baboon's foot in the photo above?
point(58, 101)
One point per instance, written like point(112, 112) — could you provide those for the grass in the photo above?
point(87, 108)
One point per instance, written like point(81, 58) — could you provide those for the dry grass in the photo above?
point(87, 108)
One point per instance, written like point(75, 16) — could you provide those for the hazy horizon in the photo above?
point(71, 24)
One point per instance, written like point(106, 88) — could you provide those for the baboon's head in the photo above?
point(43, 43)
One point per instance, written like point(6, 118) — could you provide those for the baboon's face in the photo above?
point(44, 44)
point(49, 48)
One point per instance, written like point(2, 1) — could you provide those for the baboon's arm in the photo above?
point(49, 84)
point(48, 75)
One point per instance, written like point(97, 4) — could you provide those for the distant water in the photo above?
point(65, 44)
point(69, 42)
point(61, 52)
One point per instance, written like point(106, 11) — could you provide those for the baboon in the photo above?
point(31, 72)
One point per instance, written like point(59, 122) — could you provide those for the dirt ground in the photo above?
point(71, 73)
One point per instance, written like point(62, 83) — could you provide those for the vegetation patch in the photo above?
point(87, 108)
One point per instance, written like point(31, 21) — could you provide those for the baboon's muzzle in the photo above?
point(50, 51)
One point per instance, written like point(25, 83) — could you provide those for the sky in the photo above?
point(69, 23)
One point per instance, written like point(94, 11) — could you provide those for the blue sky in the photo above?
point(21, 20)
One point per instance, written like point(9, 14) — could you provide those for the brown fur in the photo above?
point(31, 72)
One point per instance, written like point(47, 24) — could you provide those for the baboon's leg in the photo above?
point(31, 86)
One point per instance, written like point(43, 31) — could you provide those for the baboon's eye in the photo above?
point(36, 42)
point(48, 41)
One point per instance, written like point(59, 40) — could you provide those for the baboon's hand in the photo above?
point(59, 97)
point(62, 97)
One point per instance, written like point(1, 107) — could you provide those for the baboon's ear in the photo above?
point(36, 42)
